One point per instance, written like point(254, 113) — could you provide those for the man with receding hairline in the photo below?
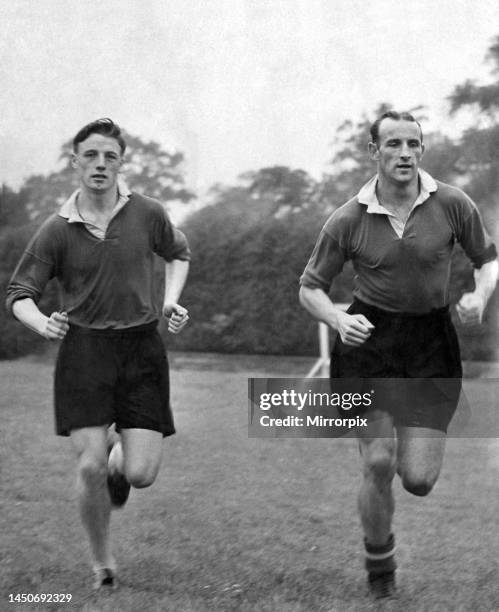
point(399, 232)
point(111, 366)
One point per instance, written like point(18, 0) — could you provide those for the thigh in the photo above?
point(142, 450)
point(142, 397)
point(431, 348)
point(420, 453)
point(85, 376)
point(90, 444)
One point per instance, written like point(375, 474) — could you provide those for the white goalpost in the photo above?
point(320, 368)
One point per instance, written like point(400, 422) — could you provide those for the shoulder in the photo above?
point(50, 237)
point(451, 196)
point(455, 204)
point(53, 226)
point(147, 207)
point(145, 202)
point(346, 217)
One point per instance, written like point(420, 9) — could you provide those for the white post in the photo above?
point(321, 366)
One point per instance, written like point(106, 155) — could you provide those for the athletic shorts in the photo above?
point(112, 376)
point(412, 361)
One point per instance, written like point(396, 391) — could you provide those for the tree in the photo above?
point(152, 170)
point(288, 189)
point(480, 144)
point(483, 97)
point(249, 248)
point(479, 159)
point(148, 168)
point(13, 211)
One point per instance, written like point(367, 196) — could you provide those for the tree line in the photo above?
point(251, 241)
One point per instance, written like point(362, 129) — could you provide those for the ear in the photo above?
point(73, 160)
point(422, 149)
point(372, 147)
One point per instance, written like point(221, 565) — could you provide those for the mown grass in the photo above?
point(234, 523)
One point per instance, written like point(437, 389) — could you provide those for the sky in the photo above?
point(236, 85)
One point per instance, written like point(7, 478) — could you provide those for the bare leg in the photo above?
point(142, 450)
point(376, 505)
point(420, 455)
point(90, 444)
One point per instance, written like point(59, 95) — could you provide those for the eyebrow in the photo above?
point(96, 151)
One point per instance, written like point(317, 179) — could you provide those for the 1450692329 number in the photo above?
point(40, 598)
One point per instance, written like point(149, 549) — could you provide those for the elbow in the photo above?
point(17, 306)
point(305, 296)
point(14, 307)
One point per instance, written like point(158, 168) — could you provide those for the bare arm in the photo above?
point(353, 329)
point(472, 305)
point(27, 312)
point(176, 272)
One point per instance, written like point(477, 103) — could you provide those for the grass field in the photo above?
point(234, 523)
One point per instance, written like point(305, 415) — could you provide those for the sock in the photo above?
point(380, 559)
point(111, 564)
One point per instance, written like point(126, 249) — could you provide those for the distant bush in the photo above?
point(242, 291)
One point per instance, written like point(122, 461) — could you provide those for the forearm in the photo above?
point(176, 272)
point(486, 280)
point(318, 304)
point(28, 313)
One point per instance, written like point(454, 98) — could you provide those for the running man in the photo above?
point(399, 232)
point(112, 365)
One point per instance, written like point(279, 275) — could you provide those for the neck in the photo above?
point(397, 194)
point(96, 201)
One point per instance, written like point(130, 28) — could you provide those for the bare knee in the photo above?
point(379, 462)
point(418, 477)
point(141, 477)
point(92, 471)
point(419, 485)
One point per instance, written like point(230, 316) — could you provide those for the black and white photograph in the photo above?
point(249, 326)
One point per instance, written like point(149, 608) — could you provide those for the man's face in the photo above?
point(97, 162)
point(398, 151)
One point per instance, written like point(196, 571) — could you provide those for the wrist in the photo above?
point(169, 302)
point(334, 318)
point(39, 325)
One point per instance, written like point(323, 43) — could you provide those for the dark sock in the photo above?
point(380, 559)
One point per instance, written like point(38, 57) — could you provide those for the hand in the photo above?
point(354, 329)
point(470, 309)
point(177, 317)
point(57, 326)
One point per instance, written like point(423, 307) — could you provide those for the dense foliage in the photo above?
point(251, 241)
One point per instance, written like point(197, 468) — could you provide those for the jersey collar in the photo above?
point(69, 210)
point(367, 195)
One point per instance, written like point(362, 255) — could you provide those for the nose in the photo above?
point(101, 161)
point(405, 151)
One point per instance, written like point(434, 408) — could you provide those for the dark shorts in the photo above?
point(113, 376)
point(418, 353)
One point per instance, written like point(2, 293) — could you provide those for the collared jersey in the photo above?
point(367, 195)
point(105, 283)
point(406, 270)
point(70, 211)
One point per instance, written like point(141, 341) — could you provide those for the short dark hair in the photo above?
point(391, 114)
point(104, 126)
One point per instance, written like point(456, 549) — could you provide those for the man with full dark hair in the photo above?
point(111, 366)
point(399, 232)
